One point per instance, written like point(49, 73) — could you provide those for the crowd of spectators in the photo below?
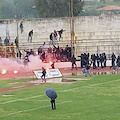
point(54, 53)
point(6, 42)
point(96, 61)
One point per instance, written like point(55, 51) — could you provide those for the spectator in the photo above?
point(25, 62)
point(43, 56)
point(13, 53)
point(6, 41)
point(51, 38)
point(8, 52)
point(54, 51)
point(16, 41)
point(40, 50)
point(60, 33)
point(49, 50)
point(27, 52)
point(44, 47)
point(21, 27)
point(55, 35)
point(61, 54)
point(57, 52)
point(30, 34)
point(31, 52)
point(0, 41)
point(19, 54)
point(7, 32)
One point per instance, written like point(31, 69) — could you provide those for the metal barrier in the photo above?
point(8, 51)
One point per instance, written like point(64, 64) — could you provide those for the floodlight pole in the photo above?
point(72, 27)
point(16, 16)
point(17, 37)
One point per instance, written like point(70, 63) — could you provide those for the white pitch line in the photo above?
point(35, 100)
point(38, 100)
point(88, 86)
point(21, 99)
point(59, 91)
point(28, 110)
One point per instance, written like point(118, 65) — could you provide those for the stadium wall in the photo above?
point(93, 34)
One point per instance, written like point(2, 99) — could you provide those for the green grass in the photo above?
point(94, 99)
point(13, 82)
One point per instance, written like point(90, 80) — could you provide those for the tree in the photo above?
point(57, 8)
point(102, 1)
point(77, 7)
point(24, 8)
point(18, 8)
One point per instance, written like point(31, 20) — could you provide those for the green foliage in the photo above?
point(77, 7)
point(57, 8)
point(13, 82)
point(50, 8)
point(19, 8)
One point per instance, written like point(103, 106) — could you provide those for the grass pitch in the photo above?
point(95, 99)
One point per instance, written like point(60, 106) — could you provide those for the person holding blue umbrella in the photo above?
point(52, 95)
point(53, 103)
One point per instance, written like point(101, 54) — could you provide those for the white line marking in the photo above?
point(21, 99)
point(59, 91)
point(88, 86)
point(28, 110)
point(37, 100)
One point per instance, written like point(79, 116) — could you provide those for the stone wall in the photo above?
point(92, 34)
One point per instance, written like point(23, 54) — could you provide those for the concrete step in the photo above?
point(96, 33)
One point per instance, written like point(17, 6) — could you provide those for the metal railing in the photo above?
point(8, 51)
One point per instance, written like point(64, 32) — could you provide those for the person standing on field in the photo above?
point(53, 103)
point(73, 60)
point(43, 74)
point(87, 70)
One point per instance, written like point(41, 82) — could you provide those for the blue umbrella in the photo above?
point(51, 93)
